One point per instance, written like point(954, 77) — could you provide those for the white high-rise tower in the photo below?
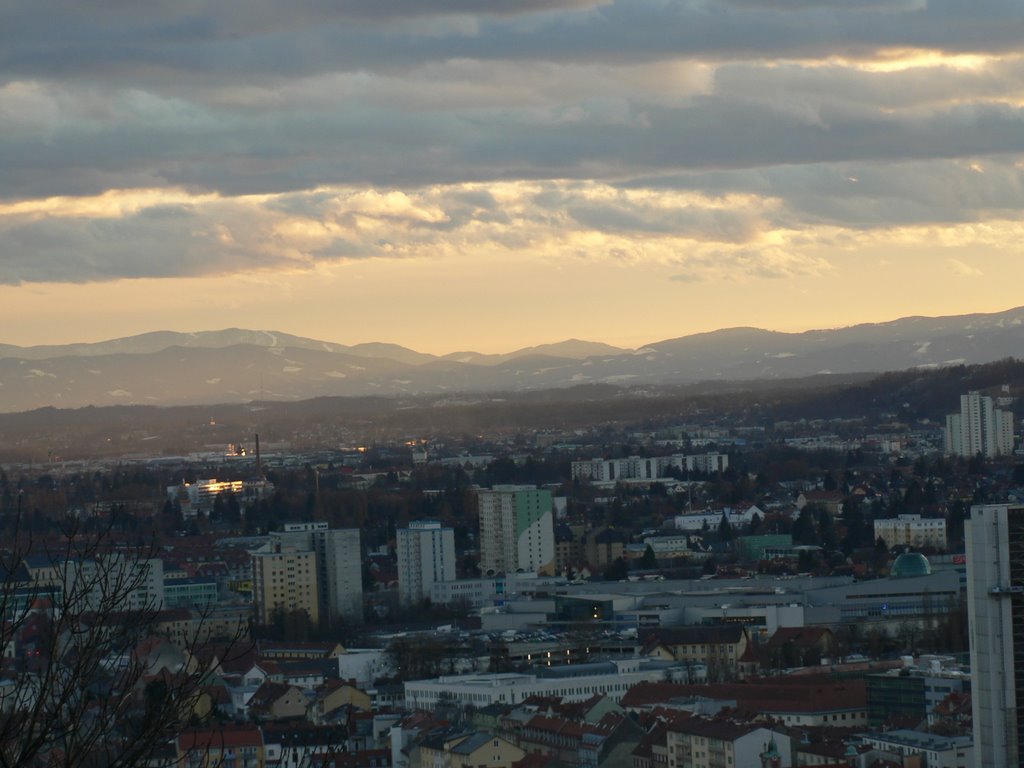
point(979, 428)
point(995, 607)
point(426, 553)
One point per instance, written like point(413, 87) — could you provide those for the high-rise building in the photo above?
point(284, 580)
point(337, 575)
point(516, 530)
point(995, 607)
point(426, 554)
point(979, 428)
point(340, 569)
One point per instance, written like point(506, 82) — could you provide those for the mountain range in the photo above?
point(238, 365)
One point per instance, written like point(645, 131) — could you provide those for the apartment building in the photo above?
point(426, 555)
point(516, 530)
point(912, 531)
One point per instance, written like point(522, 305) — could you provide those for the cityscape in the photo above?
point(738, 589)
point(511, 384)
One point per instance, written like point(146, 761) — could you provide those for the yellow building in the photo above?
point(719, 648)
point(238, 745)
point(467, 750)
point(285, 581)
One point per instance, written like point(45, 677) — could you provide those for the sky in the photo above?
point(493, 174)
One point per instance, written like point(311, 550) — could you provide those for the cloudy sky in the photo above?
point(489, 174)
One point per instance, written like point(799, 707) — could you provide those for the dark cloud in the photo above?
point(159, 43)
point(785, 101)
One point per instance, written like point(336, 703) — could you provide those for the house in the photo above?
point(335, 694)
point(796, 647)
point(295, 744)
point(299, 651)
point(830, 501)
point(278, 701)
point(699, 742)
point(718, 647)
point(238, 745)
point(466, 750)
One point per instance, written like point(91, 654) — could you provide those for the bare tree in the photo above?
point(87, 679)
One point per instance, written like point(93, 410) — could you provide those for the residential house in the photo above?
point(718, 647)
point(229, 746)
point(699, 742)
point(278, 701)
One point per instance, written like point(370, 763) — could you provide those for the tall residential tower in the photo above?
point(995, 607)
point(516, 530)
point(979, 428)
point(426, 553)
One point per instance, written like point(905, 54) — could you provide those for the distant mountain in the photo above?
point(574, 349)
point(238, 365)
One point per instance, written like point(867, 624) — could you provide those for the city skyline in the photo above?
point(443, 178)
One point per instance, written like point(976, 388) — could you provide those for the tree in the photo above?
point(617, 570)
point(649, 559)
point(725, 532)
point(90, 683)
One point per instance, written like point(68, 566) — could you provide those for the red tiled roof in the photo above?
point(230, 736)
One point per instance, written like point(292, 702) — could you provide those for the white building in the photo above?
point(699, 742)
point(912, 531)
point(980, 427)
point(573, 682)
point(646, 467)
point(934, 750)
point(200, 495)
point(711, 519)
point(995, 574)
point(426, 554)
point(516, 530)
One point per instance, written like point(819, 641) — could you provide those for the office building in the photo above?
point(995, 606)
point(426, 555)
point(979, 428)
point(516, 530)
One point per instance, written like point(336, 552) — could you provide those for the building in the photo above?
point(912, 693)
point(340, 571)
point(285, 581)
point(699, 742)
point(995, 609)
point(338, 559)
point(571, 682)
point(716, 647)
point(200, 496)
point(646, 468)
point(516, 530)
point(195, 593)
point(467, 750)
point(239, 745)
point(979, 428)
point(933, 750)
point(912, 531)
point(426, 554)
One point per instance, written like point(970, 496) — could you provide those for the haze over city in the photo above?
point(448, 178)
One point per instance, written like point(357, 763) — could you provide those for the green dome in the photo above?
point(911, 564)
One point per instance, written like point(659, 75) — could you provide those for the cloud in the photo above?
point(173, 234)
point(193, 138)
point(161, 44)
point(745, 264)
point(962, 269)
